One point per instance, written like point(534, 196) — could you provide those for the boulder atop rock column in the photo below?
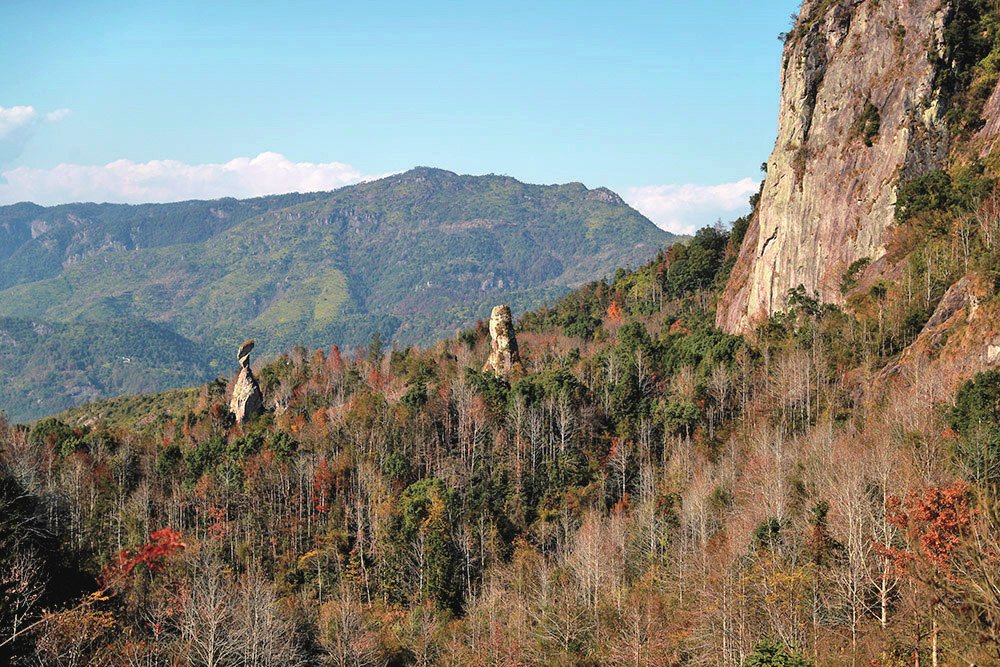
point(247, 401)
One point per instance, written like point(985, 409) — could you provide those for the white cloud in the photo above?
point(170, 180)
point(18, 124)
point(15, 119)
point(57, 115)
point(683, 209)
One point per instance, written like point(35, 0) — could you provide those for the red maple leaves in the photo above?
point(162, 544)
point(934, 520)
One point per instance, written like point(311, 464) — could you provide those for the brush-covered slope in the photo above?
point(411, 256)
point(643, 489)
point(47, 366)
point(821, 489)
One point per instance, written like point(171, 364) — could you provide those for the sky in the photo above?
point(672, 104)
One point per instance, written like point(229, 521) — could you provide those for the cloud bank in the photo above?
point(18, 124)
point(683, 209)
point(124, 181)
point(677, 208)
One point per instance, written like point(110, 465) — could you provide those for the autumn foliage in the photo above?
point(935, 521)
point(151, 556)
point(650, 490)
point(614, 312)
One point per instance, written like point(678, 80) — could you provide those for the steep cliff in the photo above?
point(860, 112)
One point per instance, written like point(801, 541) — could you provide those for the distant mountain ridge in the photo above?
point(412, 256)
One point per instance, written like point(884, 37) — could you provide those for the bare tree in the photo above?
point(208, 617)
point(560, 613)
point(965, 235)
point(267, 638)
point(988, 217)
point(23, 585)
point(972, 585)
point(345, 635)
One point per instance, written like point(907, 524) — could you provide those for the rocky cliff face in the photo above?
point(858, 113)
point(959, 340)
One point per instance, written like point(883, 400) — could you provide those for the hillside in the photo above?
point(48, 366)
point(644, 489)
point(411, 256)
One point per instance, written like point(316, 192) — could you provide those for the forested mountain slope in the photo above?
point(49, 366)
point(411, 256)
point(646, 488)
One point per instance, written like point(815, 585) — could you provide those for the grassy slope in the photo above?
point(135, 410)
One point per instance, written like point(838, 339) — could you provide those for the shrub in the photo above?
point(774, 654)
point(976, 418)
point(850, 279)
point(50, 431)
point(929, 192)
point(868, 124)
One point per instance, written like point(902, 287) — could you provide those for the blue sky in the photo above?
point(672, 104)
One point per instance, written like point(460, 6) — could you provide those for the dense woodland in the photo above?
point(646, 490)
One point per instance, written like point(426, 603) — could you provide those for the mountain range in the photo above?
point(411, 256)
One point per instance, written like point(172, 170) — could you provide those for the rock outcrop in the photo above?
point(504, 356)
point(858, 114)
point(959, 340)
point(247, 401)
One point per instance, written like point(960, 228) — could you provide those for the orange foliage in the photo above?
point(678, 327)
point(219, 525)
point(614, 312)
point(935, 519)
point(335, 361)
point(621, 507)
point(323, 481)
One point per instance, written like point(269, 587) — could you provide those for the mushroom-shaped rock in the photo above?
point(247, 400)
point(504, 356)
point(243, 354)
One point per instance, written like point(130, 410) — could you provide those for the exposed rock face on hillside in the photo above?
point(858, 112)
point(504, 356)
point(247, 401)
point(959, 340)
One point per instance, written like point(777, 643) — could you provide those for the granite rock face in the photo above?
point(504, 356)
point(247, 401)
point(858, 114)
